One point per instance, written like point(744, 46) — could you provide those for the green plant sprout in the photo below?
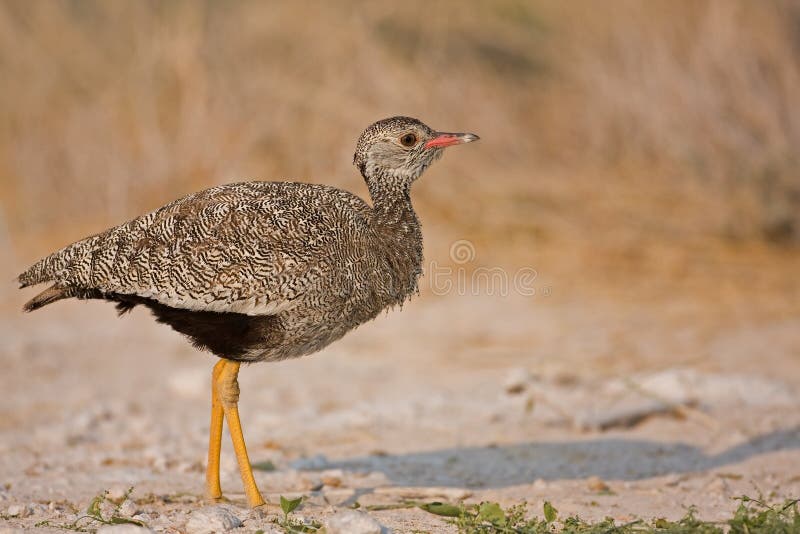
point(94, 515)
point(753, 516)
point(291, 525)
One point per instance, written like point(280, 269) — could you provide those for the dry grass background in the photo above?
point(640, 155)
point(640, 142)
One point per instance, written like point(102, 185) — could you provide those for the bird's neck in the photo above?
point(396, 226)
point(391, 201)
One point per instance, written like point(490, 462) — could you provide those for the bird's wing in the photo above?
point(250, 248)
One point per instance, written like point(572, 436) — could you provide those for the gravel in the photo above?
point(352, 522)
point(212, 519)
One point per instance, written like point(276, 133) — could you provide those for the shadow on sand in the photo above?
point(509, 465)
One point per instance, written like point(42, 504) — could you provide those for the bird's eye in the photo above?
point(408, 140)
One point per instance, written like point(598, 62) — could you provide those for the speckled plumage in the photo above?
point(263, 270)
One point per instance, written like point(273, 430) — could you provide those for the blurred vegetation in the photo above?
point(753, 516)
point(667, 122)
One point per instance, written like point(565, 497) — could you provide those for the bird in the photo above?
point(262, 271)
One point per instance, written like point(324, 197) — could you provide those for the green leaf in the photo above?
point(550, 513)
point(491, 512)
point(395, 506)
point(94, 506)
point(117, 520)
point(288, 505)
point(442, 508)
point(266, 465)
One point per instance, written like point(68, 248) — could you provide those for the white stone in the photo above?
point(352, 522)
point(15, 510)
point(128, 508)
point(212, 519)
point(143, 517)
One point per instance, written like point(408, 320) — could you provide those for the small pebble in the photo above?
point(127, 508)
point(143, 517)
point(352, 522)
point(596, 484)
point(331, 481)
point(212, 519)
point(16, 510)
point(21, 510)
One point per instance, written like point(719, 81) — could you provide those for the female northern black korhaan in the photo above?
point(262, 271)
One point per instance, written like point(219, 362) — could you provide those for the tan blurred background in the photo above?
point(638, 145)
point(640, 156)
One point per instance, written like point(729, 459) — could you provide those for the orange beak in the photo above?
point(444, 139)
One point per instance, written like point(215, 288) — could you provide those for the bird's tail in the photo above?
point(49, 269)
point(41, 271)
point(48, 296)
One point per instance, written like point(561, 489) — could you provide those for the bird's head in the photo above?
point(399, 149)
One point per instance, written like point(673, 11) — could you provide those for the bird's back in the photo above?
point(247, 248)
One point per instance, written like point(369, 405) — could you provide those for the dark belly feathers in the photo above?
point(231, 335)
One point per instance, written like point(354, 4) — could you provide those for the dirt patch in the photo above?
point(430, 403)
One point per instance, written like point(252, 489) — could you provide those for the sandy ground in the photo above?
point(603, 408)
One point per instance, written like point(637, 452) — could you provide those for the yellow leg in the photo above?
point(213, 488)
point(228, 392)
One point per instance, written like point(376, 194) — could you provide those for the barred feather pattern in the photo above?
point(313, 256)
